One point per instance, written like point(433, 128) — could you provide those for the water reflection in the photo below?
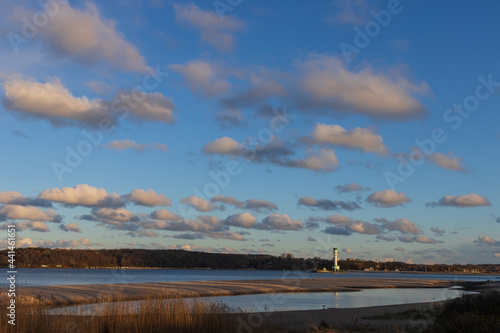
point(304, 301)
point(317, 301)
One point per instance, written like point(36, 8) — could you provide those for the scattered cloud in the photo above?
point(326, 204)
point(163, 214)
point(142, 233)
point(202, 224)
point(200, 204)
point(437, 231)
point(385, 238)
point(82, 195)
point(467, 200)
point(16, 212)
point(275, 152)
point(148, 198)
point(449, 162)
point(361, 139)
point(281, 222)
point(118, 218)
point(399, 248)
point(130, 144)
point(311, 239)
point(260, 205)
point(387, 198)
point(347, 250)
point(418, 239)
point(487, 240)
point(53, 102)
point(231, 118)
point(402, 225)
point(244, 220)
point(326, 84)
point(28, 225)
point(350, 225)
point(16, 198)
point(73, 227)
point(204, 78)
point(83, 35)
point(214, 31)
point(353, 187)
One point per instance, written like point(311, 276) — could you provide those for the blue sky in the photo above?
point(253, 127)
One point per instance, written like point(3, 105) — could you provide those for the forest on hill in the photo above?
point(139, 258)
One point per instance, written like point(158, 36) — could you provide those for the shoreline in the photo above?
point(262, 270)
point(96, 293)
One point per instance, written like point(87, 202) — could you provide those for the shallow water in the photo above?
point(301, 301)
point(54, 277)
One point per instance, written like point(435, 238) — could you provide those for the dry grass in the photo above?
point(155, 315)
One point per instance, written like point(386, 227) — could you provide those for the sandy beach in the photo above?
point(76, 294)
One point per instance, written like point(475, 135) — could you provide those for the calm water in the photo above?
point(47, 277)
point(299, 301)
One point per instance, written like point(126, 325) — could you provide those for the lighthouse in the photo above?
point(335, 267)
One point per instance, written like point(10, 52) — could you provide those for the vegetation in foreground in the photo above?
point(469, 314)
point(174, 315)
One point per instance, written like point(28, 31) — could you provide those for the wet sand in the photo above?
point(77, 294)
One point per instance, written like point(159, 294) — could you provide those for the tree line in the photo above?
point(139, 258)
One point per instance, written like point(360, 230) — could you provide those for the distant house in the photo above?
point(368, 269)
point(44, 266)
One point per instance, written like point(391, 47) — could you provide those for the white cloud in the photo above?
point(199, 204)
point(223, 146)
point(28, 225)
point(244, 220)
point(66, 243)
point(326, 83)
point(73, 227)
point(16, 198)
point(326, 204)
point(274, 152)
point(403, 225)
point(218, 33)
point(225, 235)
point(119, 218)
point(353, 187)
point(153, 107)
point(325, 160)
point(16, 212)
point(351, 225)
point(358, 138)
point(467, 200)
point(202, 224)
point(281, 222)
point(142, 233)
point(148, 198)
point(54, 102)
point(130, 144)
point(163, 214)
point(51, 100)
point(87, 37)
point(487, 240)
point(83, 195)
point(203, 77)
point(388, 198)
point(418, 239)
point(449, 162)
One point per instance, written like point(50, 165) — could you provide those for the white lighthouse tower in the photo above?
point(335, 267)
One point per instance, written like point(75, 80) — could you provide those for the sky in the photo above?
point(253, 127)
